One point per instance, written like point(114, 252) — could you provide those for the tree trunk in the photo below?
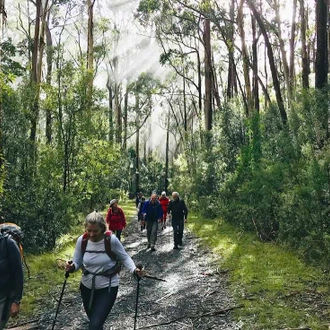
point(245, 54)
point(292, 44)
point(255, 84)
point(304, 52)
point(125, 119)
point(49, 60)
point(90, 52)
point(110, 116)
point(272, 65)
point(231, 80)
point(137, 145)
point(34, 75)
point(321, 64)
point(208, 76)
point(166, 182)
point(282, 48)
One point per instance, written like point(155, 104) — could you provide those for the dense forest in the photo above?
point(225, 102)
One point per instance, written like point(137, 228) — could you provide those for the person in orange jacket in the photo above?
point(116, 219)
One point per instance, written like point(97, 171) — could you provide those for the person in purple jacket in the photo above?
point(11, 278)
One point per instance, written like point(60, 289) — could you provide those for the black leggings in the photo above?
point(103, 301)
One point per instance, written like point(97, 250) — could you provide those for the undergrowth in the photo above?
point(275, 287)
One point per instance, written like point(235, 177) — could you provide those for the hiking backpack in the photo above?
point(107, 245)
point(14, 231)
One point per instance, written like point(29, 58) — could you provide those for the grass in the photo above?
point(277, 290)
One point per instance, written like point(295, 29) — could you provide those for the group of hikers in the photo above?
point(156, 210)
point(99, 253)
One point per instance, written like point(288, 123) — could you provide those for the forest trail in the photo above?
point(194, 296)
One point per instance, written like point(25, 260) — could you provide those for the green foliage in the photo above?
point(274, 287)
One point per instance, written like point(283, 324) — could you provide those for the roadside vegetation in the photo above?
point(273, 287)
point(276, 288)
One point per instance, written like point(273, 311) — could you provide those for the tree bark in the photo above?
point(255, 84)
point(272, 65)
point(34, 75)
point(321, 64)
point(245, 54)
point(304, 52)
point(231, 80)
point(208, 111)
point(90, 52)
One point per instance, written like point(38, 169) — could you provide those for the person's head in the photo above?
point(143, 198)
point(175, 195)
point(163, 193)
point(140, 194)
point(153, 198)
point(114, 203)
point(95, 225)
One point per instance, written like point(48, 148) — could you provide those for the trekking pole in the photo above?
point(137, 294)
point(67, 274)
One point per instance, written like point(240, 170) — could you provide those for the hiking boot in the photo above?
point(148, 247)
point(175, 247)
point(152, 249)
point(180, 243)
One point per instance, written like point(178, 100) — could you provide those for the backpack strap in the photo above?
point(107, 244)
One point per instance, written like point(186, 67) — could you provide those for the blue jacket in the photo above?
point(152, 211)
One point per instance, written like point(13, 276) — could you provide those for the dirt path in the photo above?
point(194, 295)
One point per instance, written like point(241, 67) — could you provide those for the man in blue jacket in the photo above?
point(11, 278)
point(152, 213)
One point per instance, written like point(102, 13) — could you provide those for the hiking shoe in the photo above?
point(148, 247)
point(180, 243)
point(153, 249)
point(175, 247)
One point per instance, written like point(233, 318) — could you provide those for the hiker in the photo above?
point(179, 213)
point(152, 213)
point(116, 218)
point(100, 279)
point(164, 202)
point(11, 276)
point(140, 216)
point(138, 199)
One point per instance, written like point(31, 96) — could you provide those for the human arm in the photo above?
point(108, 217)
point(144, 209)
point(118, 249)
point(75, 264)
point(185, 211)
point(123, 218)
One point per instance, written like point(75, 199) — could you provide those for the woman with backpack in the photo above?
point(11, 272)
point(116, 218)
point(100, 280)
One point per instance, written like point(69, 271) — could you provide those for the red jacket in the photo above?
point(116, 220)
point(164, 201)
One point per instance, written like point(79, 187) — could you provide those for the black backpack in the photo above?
point(12, 230)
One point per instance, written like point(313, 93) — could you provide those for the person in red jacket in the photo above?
point(116, 218)
point(164, 201)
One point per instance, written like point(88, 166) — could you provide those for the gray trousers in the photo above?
point(5, 304)
point(152, 227)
